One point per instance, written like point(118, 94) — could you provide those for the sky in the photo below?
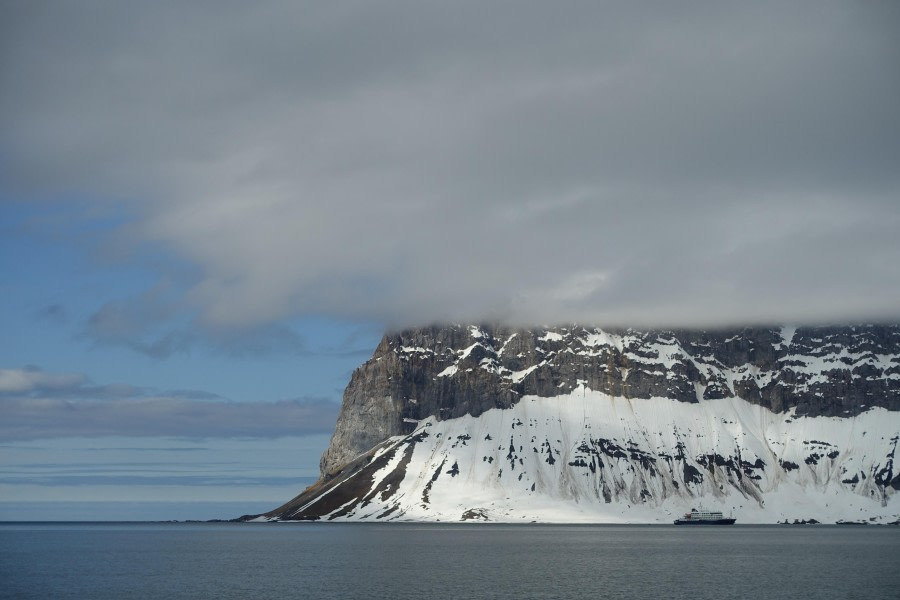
point(210, 212)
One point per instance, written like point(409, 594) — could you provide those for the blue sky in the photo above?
point(211, 212)
point(213, 431)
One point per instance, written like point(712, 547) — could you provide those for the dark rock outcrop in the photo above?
point(452, 371)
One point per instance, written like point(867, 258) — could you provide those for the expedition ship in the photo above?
point(704, 517)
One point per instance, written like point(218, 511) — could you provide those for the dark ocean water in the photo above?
point(248, 561)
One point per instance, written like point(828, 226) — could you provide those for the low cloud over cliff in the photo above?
point(407, 162)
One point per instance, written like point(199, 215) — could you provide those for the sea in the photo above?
point(423, 561)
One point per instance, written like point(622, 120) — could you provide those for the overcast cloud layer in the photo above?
point(406, 162)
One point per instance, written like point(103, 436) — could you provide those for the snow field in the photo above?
point(532, 462)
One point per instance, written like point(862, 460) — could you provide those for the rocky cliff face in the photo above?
point(582, 424)
point(448, 372)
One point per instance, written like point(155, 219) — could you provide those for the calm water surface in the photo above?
point(248, 561)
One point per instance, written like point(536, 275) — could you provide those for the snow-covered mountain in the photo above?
point(580, 424)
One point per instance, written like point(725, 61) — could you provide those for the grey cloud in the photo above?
point(53, 313)
point(112, 478)
point(39, 405)
point(193, 395)
point(33, 379)
point(146, 449)
point(140, 323)
point(357, 343)
point(107, 467)
point(151, 324)
point(38, 418)
point(410, 162)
